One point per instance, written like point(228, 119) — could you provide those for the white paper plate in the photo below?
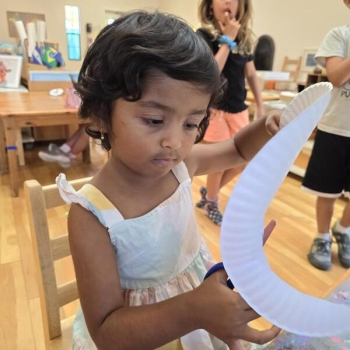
point(243, 225)
point(302, 101)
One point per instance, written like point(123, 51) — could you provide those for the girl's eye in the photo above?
point(154, 121)
point(189, 126)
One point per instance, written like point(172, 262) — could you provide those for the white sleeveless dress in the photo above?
point(160, 254)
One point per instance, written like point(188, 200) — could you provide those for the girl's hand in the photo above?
point(230, 27)
point(223, 313)
point(227, 314)
point(272, 123)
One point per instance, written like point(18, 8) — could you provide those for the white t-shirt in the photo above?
point(336, 119)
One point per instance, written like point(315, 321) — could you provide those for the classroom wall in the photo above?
point(298, 24)
point(187, 9)
point(294, 25)
point(91, 11)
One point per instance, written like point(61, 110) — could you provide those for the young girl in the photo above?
point(146, 85)
point(226, 28)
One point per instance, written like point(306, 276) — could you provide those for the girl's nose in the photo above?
point(172, 139)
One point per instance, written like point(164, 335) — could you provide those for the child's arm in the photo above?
point(230, 28)
point(210, 158)
point(253, 82)
point(212, 306)
point(338, 70)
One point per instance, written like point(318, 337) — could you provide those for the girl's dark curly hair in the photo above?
point(127, 51)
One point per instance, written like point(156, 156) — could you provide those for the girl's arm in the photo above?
point(211, 158)
point(230, 28)
point(110, 324)
point(212, 306)
point(338, 70)
point(221, 56)
point(253, 82)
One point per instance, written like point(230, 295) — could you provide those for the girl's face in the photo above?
point(220, 7)
point(158, 131)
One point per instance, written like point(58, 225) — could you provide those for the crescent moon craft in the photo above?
point(243, 226)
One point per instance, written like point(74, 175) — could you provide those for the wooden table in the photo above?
point(32, 109)
point(265, 95)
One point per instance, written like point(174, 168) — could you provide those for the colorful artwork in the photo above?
point(10, 71)
point(288, 341)
point(3, 72)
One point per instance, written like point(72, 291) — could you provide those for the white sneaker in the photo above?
point(55, 155)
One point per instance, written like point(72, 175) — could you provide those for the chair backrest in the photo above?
point(47, 250)
point(264, 53)
point(291, 65)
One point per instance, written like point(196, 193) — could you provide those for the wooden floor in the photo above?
point(20, 323)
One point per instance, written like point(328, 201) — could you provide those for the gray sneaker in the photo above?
point(56, 155)
point(320, 254)
point(343, 242)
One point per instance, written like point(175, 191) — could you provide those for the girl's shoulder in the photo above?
point(90, 198)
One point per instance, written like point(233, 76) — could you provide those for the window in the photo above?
point(73, 32)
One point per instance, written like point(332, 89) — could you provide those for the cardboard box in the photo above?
point(40, 78)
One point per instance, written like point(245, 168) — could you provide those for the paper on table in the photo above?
point(243, 225)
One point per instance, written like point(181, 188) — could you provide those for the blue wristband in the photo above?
point(223, 39)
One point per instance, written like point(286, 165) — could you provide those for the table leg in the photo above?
point(20, 150)
point(3, 157)
point(11, 145)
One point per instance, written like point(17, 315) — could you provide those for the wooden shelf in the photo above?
point(315, 78)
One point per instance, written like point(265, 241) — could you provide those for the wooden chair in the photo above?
point(292, 66)
point(47, 250)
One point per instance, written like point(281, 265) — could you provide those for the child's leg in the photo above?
point(217, 131)
point(345, 219)
point(79, 142)
point(326, 177)
point(324, 213)
point(235, 122)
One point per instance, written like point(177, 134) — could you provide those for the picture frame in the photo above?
point(10, 71)
point(308, 62)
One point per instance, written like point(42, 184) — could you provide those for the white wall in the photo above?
point(187, 9)
point(296, 25)
point(91, 11)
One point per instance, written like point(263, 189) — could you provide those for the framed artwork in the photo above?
point(308, 62)
point(10, 71)
point(25, 17)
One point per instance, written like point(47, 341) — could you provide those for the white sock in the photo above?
point(210, 199)
point(325, 236)
point(340, 228)
point(65, 148)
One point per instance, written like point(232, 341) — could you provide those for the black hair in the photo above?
point(127, 51)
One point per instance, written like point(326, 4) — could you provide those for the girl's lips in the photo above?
point(163, 161)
